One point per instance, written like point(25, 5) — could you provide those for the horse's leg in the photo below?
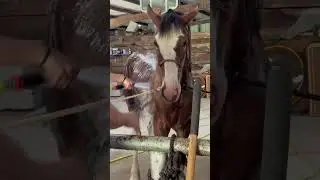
point(157, 159)
point(184, 133)
point(135, 170)
point(146, 122)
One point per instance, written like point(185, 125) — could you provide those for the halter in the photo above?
point(180, 66)
point(169, 60)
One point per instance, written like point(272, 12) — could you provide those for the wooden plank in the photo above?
point(120, 9)
point(196, 38)
point(25, 27)
point(201, 21)
point(271, 4)
point(204, 5)
point(24, 7)
point(313, 77)
point(208, 86)
point(26, 19)
point(125, 19)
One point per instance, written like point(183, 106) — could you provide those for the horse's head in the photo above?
point(173, 42)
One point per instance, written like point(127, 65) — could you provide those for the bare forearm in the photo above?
point(16, 52)
point(114, 117)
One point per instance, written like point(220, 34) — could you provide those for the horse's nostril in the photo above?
point(170, 93)
point(174, 97)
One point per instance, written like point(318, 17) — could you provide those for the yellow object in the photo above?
point(192, 154)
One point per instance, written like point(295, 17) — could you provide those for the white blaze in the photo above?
point(166, 46)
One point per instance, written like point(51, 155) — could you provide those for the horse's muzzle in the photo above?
point(171, 94)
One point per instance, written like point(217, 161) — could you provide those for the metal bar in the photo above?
point(276, 125)
point(156, 143)
point(196, 101)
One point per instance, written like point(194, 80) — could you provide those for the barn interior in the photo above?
point(132, 31)
point(290, 28)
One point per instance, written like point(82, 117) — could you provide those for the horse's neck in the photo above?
point(187, 75)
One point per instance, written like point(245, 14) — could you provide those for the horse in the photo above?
point(169, 71)
point(237, 133)
point(78, 29)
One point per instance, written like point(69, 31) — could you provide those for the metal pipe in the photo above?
point(196, 102)
point(277, 124)
point(156, 143)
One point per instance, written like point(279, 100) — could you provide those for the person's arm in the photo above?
point(118, 119)
point(16, 52)
point(119, 78)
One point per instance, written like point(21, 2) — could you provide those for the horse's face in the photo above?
point(172, 40)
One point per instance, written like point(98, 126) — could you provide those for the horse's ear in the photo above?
point(155, 18)
point(188, 17)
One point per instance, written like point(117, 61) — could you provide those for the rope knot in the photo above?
point(174, 167)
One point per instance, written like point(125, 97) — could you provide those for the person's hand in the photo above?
point(128, 83)
point(58, 72)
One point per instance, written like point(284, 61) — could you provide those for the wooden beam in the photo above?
point(294, 4)
point(204, 12)
point(24, 8)
point(125, 19)
point(25, 27)
point(201, 21)
point(133, 1)
point(130, 11)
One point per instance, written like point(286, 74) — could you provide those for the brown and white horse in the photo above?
point(170, 73)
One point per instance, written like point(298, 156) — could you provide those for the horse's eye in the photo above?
point(155, 43)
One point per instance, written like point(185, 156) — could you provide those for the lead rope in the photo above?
point(174, 167)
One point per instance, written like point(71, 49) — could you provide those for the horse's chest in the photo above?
point(180, 109)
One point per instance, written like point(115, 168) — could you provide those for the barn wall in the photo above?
point(201, 28)
point(200, 48)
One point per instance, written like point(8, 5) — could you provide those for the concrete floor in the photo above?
point(39, 144)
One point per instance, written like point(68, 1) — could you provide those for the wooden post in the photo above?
point(208, 85)
point(194, 128)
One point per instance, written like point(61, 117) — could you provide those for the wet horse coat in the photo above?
point(171, 106)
